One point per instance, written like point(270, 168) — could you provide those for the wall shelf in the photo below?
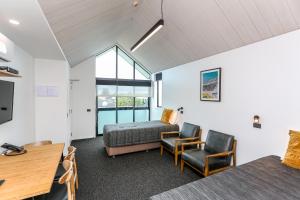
point(4, 73)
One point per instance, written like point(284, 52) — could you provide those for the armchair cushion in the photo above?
point(189, 130)
point(196, 158)
point(217, 142)
point(170, 143)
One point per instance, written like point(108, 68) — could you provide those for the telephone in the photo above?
point(12, 147)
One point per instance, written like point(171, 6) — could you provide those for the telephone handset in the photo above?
point(12, 147)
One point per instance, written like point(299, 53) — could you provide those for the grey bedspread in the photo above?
point(262, 179)
point(135, 133)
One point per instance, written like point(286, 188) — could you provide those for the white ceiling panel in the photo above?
point(241, 23)
point(193, 29)
point(284, 13)
point(294, 7)
point(256, 18)
point(33, 34)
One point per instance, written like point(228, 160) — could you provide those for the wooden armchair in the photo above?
point(219, 149)
point(171, 141)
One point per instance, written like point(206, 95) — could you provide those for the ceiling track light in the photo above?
point(149, 33)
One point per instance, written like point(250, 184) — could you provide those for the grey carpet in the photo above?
point(132, 176)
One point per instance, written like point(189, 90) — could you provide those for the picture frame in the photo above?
point(210, 85)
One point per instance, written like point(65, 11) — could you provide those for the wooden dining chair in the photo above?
point(39, 143)
point(68, 179)
point(72, 149)
point(71, 157)
point(64, 189)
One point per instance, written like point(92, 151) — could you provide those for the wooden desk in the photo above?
point(30, 174)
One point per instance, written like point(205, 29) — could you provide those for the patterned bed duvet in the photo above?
point(135, 133)
point(263, 179)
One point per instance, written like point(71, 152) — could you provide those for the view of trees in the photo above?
point(110, 102)
point(128, 101)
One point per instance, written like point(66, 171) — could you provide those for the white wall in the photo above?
point(20, 130)
point(52, 118)
point(83, 97)
point(262, 79)
point(37, 118)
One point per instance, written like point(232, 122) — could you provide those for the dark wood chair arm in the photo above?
point(190, 143)
point(169, 133)
point(177, 140)
point(187, 139)
point(217, 155)
point(223, 154)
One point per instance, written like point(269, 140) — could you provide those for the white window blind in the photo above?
point(123, 91)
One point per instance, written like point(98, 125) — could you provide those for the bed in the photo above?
point(132, 137)
point(262, 179)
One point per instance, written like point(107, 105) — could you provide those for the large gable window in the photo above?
point(123, 89)
point(106, 64)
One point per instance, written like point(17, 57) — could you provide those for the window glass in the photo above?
point(105, 117)
point(140, 73)
point(142, 91)
point(125, 102)
point(106, 102)
point(141, 102)
point(159, 100)
point(141, 115)
point(107, 90)
point(155, 94)
point(125, 116)
point(106, 64)
point(125, 66)
point(126, 91)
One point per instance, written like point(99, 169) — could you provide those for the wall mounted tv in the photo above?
point(6, 101)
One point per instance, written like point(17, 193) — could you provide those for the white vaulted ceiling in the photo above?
point(193, 29)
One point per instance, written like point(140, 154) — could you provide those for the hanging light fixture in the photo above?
point(151, 32)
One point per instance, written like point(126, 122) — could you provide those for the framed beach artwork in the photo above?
point(210, 85)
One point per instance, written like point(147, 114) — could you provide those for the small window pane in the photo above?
point(155, 94)
point(125, 66)
point(140, 73)
point(104, 118)
point(125, 116)
point(141, 115)
point(106, 64)
point(106, 102)
point(106, 90)
point(126, 91)
point(159, 93)
point(125, 102)
point(141, 102)
point(142, 91)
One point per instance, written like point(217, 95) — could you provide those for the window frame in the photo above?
point(123, 82)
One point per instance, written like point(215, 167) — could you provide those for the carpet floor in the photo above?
point(135, 176)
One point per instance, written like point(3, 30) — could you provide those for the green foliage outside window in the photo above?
point(128, 102)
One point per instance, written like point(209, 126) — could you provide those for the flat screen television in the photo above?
point(6, 101)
